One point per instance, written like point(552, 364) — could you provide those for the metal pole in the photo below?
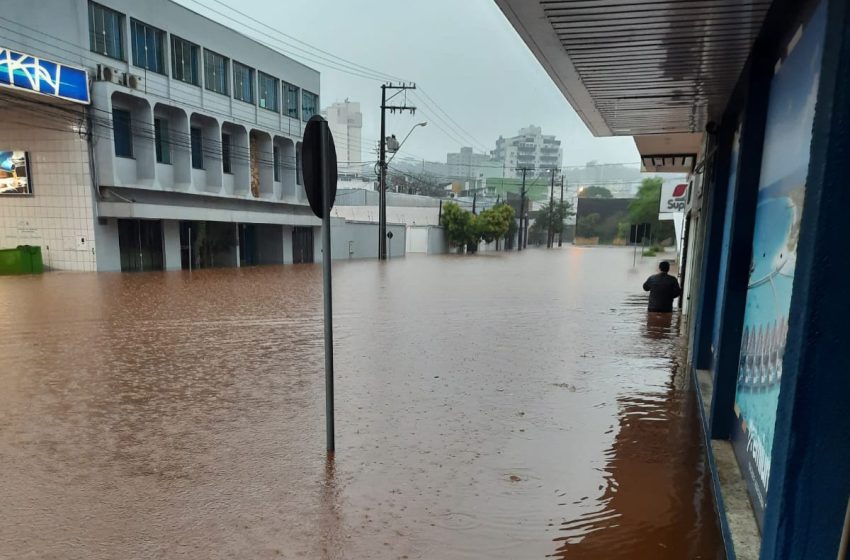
point(382, 195)
point(440, 214)
point(561, 233)
point(550, 234)
point(326, 277)
point(141, 254)
point(634, 253)
point(190, 249)
point(520, 233)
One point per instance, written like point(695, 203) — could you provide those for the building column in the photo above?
point(238, 247)
point(107, 250)
point(287, 244)
point(171, 244)
point(809, 490)
point(318, 256)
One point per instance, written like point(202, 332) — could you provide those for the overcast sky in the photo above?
point(463, 53)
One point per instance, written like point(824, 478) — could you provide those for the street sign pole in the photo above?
point(326, 276)
point(320, 181)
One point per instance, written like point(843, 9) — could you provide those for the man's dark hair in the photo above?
point(664, 266)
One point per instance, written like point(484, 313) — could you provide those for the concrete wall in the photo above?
point(359, 240)
point(108, 251)
point(171, 244)
point(287, 244)
point(58, 216)
point(438, 243)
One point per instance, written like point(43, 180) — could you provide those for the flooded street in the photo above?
point(511, 406)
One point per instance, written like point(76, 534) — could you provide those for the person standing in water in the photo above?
point(663, 289)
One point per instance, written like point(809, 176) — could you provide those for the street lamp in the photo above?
point(425, 123)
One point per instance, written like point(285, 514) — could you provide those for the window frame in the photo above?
point(275, 90)
point(92, 31)
point(196, 152)
point(304, 94)
point(195, 54)
point(162, 140)
point(239, 83)
point(225, 66)
point(285, 101)
point(226, 153)
point(159, 37)
point(129, 132)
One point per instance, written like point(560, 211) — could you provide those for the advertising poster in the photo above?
point(14, 173)
point(782, 186)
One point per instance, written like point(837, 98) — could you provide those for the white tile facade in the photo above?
point(58, 217)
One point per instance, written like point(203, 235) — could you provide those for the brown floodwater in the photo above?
point(513, 406)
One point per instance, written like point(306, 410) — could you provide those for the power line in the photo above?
point(351, 69)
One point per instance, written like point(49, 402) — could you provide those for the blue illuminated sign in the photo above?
point(23, 71)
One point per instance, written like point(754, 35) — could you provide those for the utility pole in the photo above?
point(521, 210)
point(382, 162)
point(561, 233)
point(550, 238)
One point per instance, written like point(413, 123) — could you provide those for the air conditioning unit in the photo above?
point(109, 74)
point(134, 82)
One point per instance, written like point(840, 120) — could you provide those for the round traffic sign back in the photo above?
point(314, 166)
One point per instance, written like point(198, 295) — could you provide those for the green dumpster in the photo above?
point(24, 259)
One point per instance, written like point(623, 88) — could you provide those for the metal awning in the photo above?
point(632, 67)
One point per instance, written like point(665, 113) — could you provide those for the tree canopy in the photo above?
point(465, 229)
point(557, 214)
point(595, 192)
point(644, 209)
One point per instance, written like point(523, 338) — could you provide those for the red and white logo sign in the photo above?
point(674, 197)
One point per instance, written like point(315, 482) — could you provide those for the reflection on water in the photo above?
point(497, 406)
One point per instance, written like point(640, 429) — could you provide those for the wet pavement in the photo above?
point(514, 406)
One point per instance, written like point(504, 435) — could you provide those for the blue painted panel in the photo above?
point(782, 184)
point(725, 243)
point(23, 71)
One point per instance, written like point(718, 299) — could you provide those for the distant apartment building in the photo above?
point(529, 149)
point(146, 137)
point(465, 164)
point(346, 124)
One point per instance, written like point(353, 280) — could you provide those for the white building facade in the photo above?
point(346, 125)
point(188, 154)
point(530, 149)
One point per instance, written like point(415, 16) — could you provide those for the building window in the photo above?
point(148, 46)
point(243, 82)
point(276, 154)
point(162, 141)
point(290, 98)
point(215, 72)
point(267, 87)
point(184, 61)
point(225, 153)
point(121, 131)
point(309, 105)
point(106, 31)
point(197, 148)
